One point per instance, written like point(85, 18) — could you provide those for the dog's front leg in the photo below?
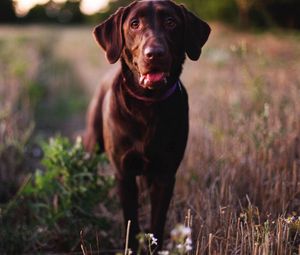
point(161, 190)
point(128, 193)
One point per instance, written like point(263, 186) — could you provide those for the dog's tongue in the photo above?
point(149, 79)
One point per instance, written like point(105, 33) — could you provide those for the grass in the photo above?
point(240, 176)
point(242, 168)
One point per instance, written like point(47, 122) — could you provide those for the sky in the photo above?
point(86, 6)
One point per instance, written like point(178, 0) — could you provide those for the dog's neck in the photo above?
point(163, 97)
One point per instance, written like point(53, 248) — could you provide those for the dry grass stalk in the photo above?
point(127, 250)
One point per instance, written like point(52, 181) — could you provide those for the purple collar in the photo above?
point(165, 96)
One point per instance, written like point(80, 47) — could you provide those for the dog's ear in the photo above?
point(109, 35)
point(196, 33)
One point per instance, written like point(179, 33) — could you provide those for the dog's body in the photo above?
point(141, 118)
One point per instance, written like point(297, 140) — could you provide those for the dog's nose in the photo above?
point(154, 52)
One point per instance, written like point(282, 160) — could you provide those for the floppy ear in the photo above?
point(109, 35)
point(196, 34)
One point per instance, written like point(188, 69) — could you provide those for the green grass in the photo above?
point(58, 202)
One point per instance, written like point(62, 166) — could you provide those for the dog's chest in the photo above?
point(145, 138)
point(147, 130)
point(147, 147)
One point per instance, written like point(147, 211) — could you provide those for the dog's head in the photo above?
point(152, 38)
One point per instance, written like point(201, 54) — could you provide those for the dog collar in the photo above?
point(165, 96)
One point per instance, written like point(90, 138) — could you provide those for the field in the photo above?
point(240, 177)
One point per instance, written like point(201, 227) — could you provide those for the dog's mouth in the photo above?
point(152, 80)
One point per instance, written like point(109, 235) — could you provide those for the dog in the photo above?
point(140, 118)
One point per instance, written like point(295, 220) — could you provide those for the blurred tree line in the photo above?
point(245, 13)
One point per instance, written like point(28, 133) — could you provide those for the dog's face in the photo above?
point(152, 38)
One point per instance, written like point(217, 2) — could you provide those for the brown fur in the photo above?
point(141, 137)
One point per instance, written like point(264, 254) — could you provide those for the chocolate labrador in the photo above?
point(140, 118)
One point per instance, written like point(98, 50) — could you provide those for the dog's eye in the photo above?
point(170, 23)
point(134, 24)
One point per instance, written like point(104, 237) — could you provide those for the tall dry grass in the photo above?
point(241, 172)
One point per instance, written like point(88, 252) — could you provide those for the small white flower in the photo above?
point(129, 252)
point(79, 139)
point(181, 230)
point(186, 231)
point(181, 235)
point(179, 246)
point(151, 238)
point(188, 248)
point(188, 241)
point(288, 220)
point(78, 142)
point(174, 232)
point(154, 241)
point(163, 253)
point(149, 235)
point(188, 244)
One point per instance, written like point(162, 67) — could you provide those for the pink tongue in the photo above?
point(154, 77)
point(150, 79)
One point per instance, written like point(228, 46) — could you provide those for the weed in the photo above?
point(50, 211)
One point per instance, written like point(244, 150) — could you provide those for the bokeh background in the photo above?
point(240, 175)
point(266, 13)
